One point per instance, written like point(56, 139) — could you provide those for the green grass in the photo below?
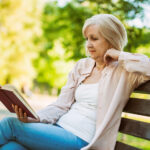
point(134, 141)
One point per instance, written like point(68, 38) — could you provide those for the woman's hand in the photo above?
point(23, 116)
point(111, 55)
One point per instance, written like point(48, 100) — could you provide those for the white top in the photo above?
point(81, 118)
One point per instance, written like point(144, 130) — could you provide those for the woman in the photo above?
point(87, 112)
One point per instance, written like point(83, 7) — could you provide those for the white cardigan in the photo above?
point(117, 82)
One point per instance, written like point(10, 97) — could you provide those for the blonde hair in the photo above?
point(110, 28)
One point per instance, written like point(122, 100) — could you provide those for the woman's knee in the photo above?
point(8, 120)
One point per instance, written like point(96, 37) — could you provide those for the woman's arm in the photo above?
point(54, 111)
point(132, 62)
point(135, 62)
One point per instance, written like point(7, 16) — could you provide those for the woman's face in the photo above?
point(96, 45)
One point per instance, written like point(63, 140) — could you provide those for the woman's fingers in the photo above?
point(107, 58)
point(16, 110)
point(13, 106)
point(33, 120)
point(23, 116)
point(111, 55)
point(20, 115)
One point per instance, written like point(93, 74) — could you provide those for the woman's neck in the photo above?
point(100, 65)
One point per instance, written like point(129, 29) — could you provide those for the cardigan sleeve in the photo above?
point(54, 111)
point(136, 63)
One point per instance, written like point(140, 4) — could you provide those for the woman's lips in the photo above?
point(92, 51)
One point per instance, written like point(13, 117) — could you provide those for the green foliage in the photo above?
point(64, 26)
point(134, 141)
point(137, 37)
point(17, 29)
point(52, 69)
point(65, 23)
point(52, 38)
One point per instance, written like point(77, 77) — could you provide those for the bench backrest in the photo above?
point(132, 127)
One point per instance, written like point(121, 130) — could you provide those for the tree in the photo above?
point(18, 24)
point(65, 23)
point(64, 26)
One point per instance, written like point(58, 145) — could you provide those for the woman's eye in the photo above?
point(94, 39)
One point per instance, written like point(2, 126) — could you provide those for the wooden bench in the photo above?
point(132, 127)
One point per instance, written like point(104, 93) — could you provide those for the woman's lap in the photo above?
point(39, 135)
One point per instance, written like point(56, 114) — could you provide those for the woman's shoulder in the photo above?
point(86, 62)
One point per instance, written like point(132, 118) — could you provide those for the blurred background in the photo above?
point(40, 41)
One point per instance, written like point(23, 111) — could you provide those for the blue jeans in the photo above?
point(16, 135)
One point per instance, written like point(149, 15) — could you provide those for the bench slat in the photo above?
point(122, 146)
point(135, 128)
point(138, 106)
point(143, 88)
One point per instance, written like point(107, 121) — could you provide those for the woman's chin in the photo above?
point(97, 58)
point(93, 57)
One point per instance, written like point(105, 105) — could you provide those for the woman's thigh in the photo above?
point(39, 136)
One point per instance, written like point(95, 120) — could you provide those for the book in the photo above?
point(10, 95)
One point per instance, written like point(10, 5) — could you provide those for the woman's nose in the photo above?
point(89, 44)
